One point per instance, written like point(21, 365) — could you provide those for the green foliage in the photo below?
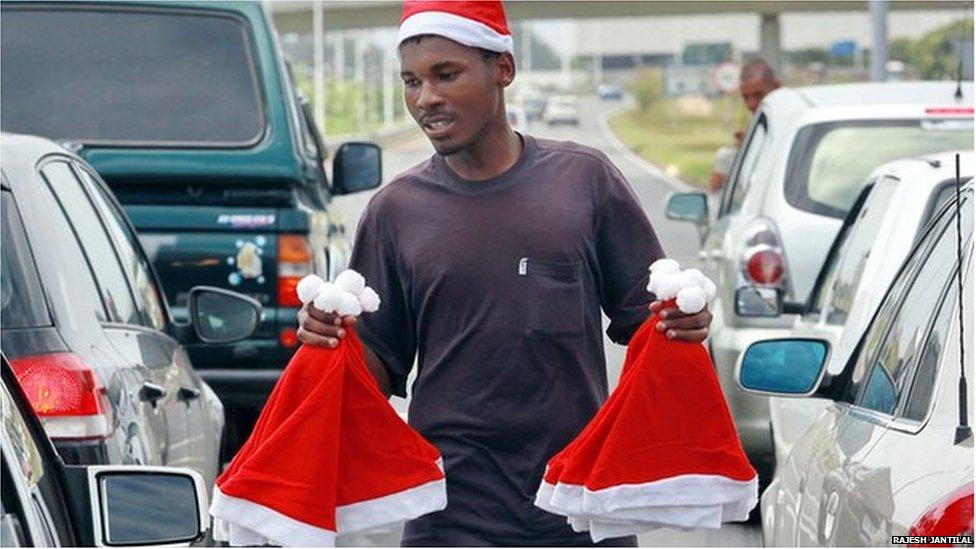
point(647, 88)
point(933, 56)
point(344, 100)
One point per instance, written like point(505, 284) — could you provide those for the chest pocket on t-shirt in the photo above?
point(555, 303)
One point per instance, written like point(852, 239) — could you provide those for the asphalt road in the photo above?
point(680, 241)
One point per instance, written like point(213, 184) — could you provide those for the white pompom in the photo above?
point(308, 287)
point(665, 266)
point(369, 300)
point(654, 281)
point(673, 283)
point(328, 299)
point(348, 305)
point(350, 281)
point(704, 282)
point(691, 299)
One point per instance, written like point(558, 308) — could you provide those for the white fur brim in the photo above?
point(242, 522)
point(685, 501)
point(460, 29)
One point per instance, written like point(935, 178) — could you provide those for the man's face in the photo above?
point(753, 90)
point(451, 91)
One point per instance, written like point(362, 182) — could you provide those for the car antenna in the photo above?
point(963, 431)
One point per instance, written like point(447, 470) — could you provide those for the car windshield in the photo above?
point(831, 161)
point(21, 299)
point(136, 76)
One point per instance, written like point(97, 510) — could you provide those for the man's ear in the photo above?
point(505, 65)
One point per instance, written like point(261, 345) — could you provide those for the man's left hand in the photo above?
point(681, 326)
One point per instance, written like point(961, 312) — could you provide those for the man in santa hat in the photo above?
point(493, 259)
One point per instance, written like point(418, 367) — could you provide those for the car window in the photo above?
point(148, 76)
point(896, 353)
point(150, 303)
point(94, 241)
point(920, 394)
point(830, 162)
point(855, 251)
point(22, 302)
point(746, 174)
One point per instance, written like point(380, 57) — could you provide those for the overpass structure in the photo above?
point(318, 17)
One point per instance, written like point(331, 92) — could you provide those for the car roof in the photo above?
point(21, 153)
point(871, 94)
point(938, 166)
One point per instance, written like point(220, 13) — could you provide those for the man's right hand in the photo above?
point(321, 329)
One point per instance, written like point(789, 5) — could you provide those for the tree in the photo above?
point(934, 56)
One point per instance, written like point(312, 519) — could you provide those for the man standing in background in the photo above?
point(756, 81)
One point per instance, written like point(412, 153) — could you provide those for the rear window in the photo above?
point(830, 162)
point(133, 76)
point(21, 299)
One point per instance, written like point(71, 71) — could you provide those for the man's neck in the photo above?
point(489, 157)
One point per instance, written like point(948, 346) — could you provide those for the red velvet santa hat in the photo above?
point(474, 23)
point(663, 450)
point(328, 455)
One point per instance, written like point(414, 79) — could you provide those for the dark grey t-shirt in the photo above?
point(496, 287)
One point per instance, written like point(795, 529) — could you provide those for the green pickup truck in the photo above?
point(189, 112)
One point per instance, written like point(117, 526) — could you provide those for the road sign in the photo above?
point(726, 77)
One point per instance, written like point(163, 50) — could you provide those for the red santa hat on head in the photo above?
point(474, 23)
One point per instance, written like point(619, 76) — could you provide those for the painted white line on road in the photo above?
point(636, 160)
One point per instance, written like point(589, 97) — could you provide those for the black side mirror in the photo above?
point(357, 167)
point(222, 316)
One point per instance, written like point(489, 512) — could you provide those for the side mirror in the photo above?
point(222, 316)
point(138, 505)
point(754, 302)
point(688, 207)
point(783, 367)
point(356, 167)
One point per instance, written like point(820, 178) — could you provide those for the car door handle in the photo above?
point(150, 392)
point(188, 393)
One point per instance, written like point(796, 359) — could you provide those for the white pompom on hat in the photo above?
point(690, 287)
point(474, 23)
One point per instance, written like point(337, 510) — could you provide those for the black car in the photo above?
point(46, 503)
point(87, 328)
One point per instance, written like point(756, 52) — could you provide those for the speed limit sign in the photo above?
point(726, 77)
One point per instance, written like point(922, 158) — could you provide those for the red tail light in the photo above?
point(765, 266)
point(950, 516)
point(949, 111)
point(294, 262)
point(288, 337)
point(66, 395)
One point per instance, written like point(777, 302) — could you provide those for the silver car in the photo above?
point(891, 214)
point(893, 453)
point(806, 155)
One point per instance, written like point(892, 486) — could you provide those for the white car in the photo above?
point(896, 205)
point(561, 109)
point(806, 155)
point(892, 455)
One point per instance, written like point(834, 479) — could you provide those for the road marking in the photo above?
point(636, 160)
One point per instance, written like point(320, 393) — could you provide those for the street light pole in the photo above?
point(879, 40)
point(318, 47)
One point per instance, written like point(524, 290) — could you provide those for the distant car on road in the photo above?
point(891, 215)
point(610, 92)
point(892, 455)
point(534, 103)
point(806, 155)
point(87, 327)
point(562, 109)
point(48, 504)
point(516, 118)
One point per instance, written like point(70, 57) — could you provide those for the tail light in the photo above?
point(66, 395)
point(288, 337)
point(763, 263)
point(950, 516)
point(294, 262)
